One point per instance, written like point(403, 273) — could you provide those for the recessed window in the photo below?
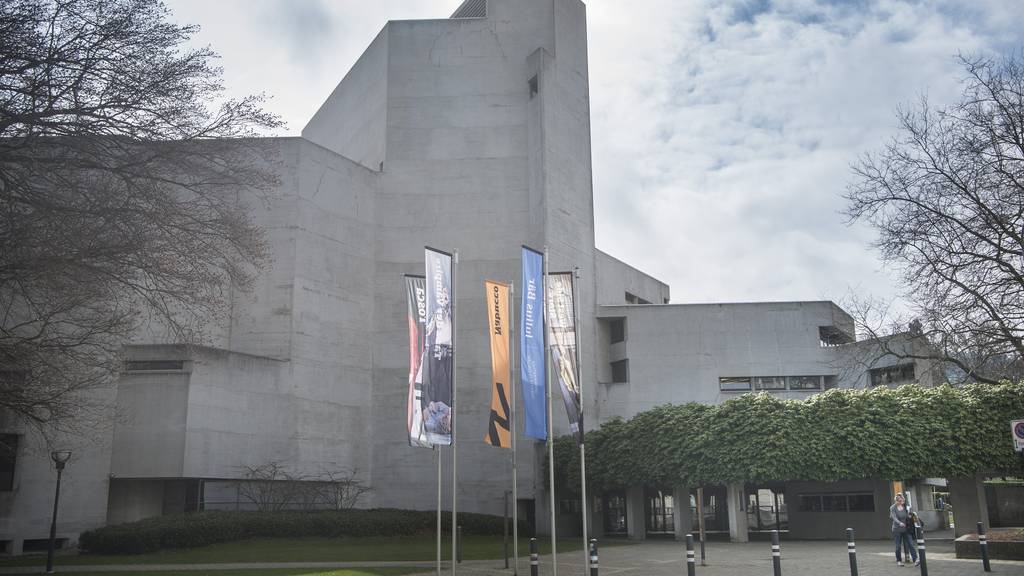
point(892, 375)
point(8, 458)
point(618, 330)
point(837, 503)
point(734, 384)
point(632, 298)
point(804, 382)
point(620, 371)
point(534, 86)
point(153, 365)
point(769, 383)
point(831, 382)
point(829, 336)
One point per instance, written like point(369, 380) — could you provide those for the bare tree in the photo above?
point(123, 190)
point(272, 487)
point(947, 199)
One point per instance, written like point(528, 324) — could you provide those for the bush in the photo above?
point(203, 528)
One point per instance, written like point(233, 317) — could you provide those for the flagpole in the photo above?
point(551, 427)
point(454, 418)
point(437, 456)
point(512, 427)
point(583, 456)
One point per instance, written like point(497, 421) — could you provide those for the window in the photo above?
point(618, 329)
point(8, 457)
point(804, 382)
point(153, 365)
point(837, 503)
point(769, 383)
point(831, 382)
point(891, 375)
point(534, 86)
point(833, 336)
point(620, 371)
point(733, 384)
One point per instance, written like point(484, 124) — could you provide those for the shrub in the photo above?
point(203, 528)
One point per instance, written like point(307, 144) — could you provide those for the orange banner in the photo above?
point(498, 433)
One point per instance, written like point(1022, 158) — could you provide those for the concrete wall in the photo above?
point(833, 525)
point(677, 352)
point(615, 278)
point(351, 122)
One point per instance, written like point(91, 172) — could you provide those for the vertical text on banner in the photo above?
point(416, 311)
point(498, 433)
point(437, 377)
point(561, 323)
point(531, 346)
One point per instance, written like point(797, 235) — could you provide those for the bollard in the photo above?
point(593, 557)
point(776, 554)
point(921, 556)
point(458, 545)
point(983, 544)
point(534, 563)
point(851, 547)
point(691, 562)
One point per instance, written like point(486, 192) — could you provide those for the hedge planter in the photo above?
point(967, 547)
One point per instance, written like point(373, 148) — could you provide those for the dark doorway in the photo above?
point(614, 506)
point(659, 512)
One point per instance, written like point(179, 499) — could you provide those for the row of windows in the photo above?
point(837, 502)
point(746, 383)
point(893, 375)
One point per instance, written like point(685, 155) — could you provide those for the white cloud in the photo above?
point(723, 130)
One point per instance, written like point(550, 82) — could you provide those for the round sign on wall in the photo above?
point(1017, 431)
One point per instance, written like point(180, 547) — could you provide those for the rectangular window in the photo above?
point(831, 382)
point(862, 502)
point(837, 503)
point(810, 503)
point(8, 458)
point(620, 371)
point(769, 383)
point(618, 329)
point(804, 382)
point(153, 365)
point(893, 375)
point(733, 384)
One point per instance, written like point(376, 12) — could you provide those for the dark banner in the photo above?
point(531, 346)
point(562, 343)
point(498, 433)
point(416, 310)
point(436, 401)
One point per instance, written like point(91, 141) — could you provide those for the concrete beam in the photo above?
point(967, 496)
point(737, 510)
point(681, 511)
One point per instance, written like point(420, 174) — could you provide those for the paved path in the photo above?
point(652, 558)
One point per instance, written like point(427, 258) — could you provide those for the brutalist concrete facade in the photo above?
point(469, 133)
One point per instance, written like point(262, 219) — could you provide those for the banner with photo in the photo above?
point(531, 346)
point(562, 343)
point(416, 310)
point(436, 399)
point(498, 432)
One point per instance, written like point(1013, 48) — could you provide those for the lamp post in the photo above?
point(60, 458)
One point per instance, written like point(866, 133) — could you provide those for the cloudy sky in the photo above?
point(723, 130)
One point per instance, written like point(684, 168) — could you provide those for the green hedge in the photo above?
point(907, 432)
point(204, 528)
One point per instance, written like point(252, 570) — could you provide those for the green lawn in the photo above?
point(272, 572)
point(310, 550)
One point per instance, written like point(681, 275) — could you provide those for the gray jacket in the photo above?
point(898, 516)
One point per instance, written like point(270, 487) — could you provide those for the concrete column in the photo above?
point(636, 524)
point(737, 510)
point(967, 495)
point(681, 511)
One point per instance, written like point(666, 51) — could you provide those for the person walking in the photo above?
point(902, 527)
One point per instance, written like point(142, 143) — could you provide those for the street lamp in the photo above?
point(60, 458)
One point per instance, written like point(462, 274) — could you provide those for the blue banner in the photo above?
point(531, 346)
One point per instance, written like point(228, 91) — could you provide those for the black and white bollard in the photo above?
point(776, 554)
point(983, 544)
point(851, 548)
point(534, 561)
point(593, 557)
point(691, 561)
point(921, 554)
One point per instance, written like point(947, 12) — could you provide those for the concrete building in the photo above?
point(468, 133)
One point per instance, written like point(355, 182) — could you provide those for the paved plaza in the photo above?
point(659, 558)
point(802, 558)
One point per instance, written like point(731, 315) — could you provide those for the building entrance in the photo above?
point(659, 512)
point(614, 506)
point(766, 508)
